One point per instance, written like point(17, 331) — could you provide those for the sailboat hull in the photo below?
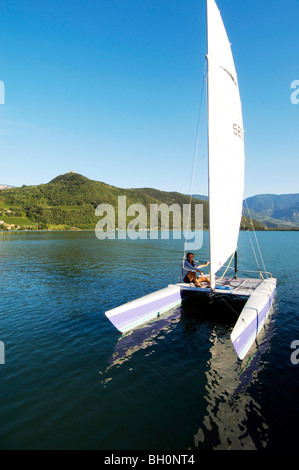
point(253, 317)
point(258, 293)
point(135, 313)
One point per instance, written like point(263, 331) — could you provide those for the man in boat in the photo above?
point(189, 271)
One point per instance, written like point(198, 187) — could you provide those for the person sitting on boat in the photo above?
point(189, 271)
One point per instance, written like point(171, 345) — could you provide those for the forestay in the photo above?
point(226, 144)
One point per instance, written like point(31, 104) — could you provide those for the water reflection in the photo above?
point(233, 418)
point(140, 339)
point(174, 386)
point(231, 415)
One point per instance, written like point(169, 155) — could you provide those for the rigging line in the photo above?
point(247, 271)
point(257, 263)
point(195, 157)
point(220, 279)
point(230, 306)
point(256, 239)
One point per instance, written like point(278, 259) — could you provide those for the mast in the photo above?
point(212, 274)
point(236, 265)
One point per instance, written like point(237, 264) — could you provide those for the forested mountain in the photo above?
point(69, 201)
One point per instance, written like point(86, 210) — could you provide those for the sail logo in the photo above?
point(238, 131)
point(295, 94)
point(2, 353)
point(2, 93)
point(134, 222)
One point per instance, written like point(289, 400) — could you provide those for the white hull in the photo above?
point(135, 313)
point(260, 294)
point(253, 317)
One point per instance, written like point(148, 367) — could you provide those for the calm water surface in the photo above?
point(70, 381)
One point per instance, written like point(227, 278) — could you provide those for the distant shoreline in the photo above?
point(293, 229)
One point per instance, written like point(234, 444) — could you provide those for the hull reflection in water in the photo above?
point(203, 307)
point(141, 338)
point(233, 418)
point(194, 306)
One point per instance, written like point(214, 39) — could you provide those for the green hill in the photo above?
point(69, 201)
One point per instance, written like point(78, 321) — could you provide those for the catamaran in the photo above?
point(226, 156)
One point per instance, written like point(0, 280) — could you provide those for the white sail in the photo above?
point(226, 144)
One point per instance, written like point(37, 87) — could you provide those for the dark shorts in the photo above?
point(187, 280)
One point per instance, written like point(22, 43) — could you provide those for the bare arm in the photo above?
point(202, 266)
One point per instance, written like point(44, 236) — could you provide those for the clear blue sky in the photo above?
point(111, 89)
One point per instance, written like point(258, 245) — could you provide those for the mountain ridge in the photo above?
point(274, 210)
point(282, 207)
point(68, 201)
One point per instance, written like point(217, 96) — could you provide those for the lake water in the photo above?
point(71, 382)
